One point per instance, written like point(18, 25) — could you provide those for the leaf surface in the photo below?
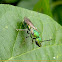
point(15, 46)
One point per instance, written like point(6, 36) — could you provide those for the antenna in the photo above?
point(47, 40)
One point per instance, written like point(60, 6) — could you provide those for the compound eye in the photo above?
point(39, 44)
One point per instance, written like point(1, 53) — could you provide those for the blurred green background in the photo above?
point(52, 8)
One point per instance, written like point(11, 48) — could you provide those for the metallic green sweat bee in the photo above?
point(34, 34)
point(33, 31)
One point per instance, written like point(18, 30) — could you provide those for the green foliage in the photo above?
point(43, 6)
point(10, 1)
point(15, 46)
point(57, 11)
point(29, 4)
point(49, 7)
point(52, 8)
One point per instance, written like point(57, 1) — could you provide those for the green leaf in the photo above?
point(15, 46)
point(57, 11)
point(43, 6)
point(10, 1)
point(28, 4)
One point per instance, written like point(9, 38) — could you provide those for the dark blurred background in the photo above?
point(52, 8)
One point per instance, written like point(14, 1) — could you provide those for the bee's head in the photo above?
point(38, 41)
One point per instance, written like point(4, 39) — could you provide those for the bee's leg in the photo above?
point(33, 39)
point(31, 35)
point(27, 36)
point(21, 29)
point(28, 32)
